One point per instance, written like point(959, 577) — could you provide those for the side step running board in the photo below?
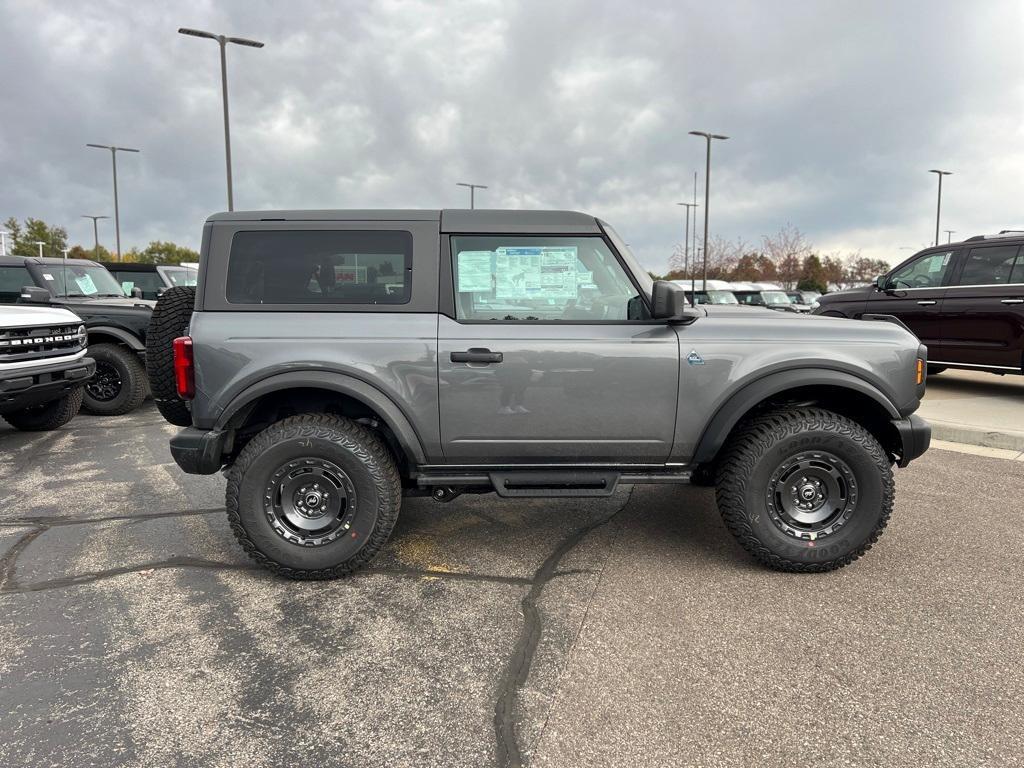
point(554, 483)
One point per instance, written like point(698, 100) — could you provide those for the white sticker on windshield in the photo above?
point(474, 271)
point(86, 285)
point(47, 277)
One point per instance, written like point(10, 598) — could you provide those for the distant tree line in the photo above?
point(785, 258)
point(24, 239)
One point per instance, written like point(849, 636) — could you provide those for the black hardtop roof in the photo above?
point(452, 220)
point(20, 261)
point(129, 266)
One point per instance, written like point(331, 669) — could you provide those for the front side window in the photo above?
point(989, 266)
point(925, 272)
point(320, 267)
point(12, 280)
point(548, 279)
point(76, 280)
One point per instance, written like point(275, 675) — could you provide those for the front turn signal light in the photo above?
point(920, 371)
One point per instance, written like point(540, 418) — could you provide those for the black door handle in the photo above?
point(476, 355)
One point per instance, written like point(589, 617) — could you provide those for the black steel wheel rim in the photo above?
point(106, 384)
point(309, 501)
point(812, 495)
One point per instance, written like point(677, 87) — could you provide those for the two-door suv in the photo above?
point(333, 361)
point(965, 301)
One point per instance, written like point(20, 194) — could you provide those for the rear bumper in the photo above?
point(915, 435)
point(24, 387)
point(199, 451)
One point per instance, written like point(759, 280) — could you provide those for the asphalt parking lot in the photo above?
point(626, 631)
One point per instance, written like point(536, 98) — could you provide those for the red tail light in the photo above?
point(184, 368)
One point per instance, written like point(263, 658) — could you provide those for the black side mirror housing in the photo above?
point(668, 302)
point(881, 283)
point(33, 294)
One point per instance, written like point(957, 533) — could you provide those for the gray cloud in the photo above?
point(836, 111)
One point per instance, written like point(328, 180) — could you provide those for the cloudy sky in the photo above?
point(836, 111)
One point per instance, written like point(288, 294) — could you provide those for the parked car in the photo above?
point(116, 325)
point(151, 280)
point(965, 301)
point(771, 299)
point(43, 366)
point(803, 300)
point(334, 361)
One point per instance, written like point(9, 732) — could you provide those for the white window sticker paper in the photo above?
point(535, 273)
point(86, 285)
point(475, 272)
point(47, 277)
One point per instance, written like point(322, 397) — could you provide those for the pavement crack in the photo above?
point(420, 573)
point(9, 561)
point(92, 576)
point(56, 522)
point(510, 754)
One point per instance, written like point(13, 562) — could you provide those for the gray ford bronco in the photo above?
point(332, 362)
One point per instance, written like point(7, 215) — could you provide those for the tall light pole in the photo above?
point(3, 241)
point(95, 234)
point(949, 235)
point(472, 189)
point(40, 243)
point(686, 246)
point(938, 207)
point(223, 40)
point(707, 193)
point(113, 159)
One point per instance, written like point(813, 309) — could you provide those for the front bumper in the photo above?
point(200, 451)
point(915, 435)
point(24, 387)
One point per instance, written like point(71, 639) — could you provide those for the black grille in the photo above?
point(18, 344)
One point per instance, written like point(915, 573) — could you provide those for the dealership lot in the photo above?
point(136, 633)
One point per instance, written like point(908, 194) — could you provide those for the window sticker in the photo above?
point(127, 286)
point(536, 273)
point(349, 275)
point(86, 285)
point(475, 272)
point(47, 276)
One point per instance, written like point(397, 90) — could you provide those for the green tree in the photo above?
point(812, 276)
point(26, 236)
point(162, 252)
point(82, 252)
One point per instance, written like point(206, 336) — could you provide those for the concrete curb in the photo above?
point(962, 433)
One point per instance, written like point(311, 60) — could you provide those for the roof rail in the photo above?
point(1001, 233)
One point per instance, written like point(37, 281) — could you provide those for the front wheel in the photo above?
point(804, 489)
point(48, 416)
point(313, 496)
point(119, 384)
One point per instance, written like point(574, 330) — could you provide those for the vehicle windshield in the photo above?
point(181, 275)
point(721, 297)
point(775, 297)
point(641, 275)
point(82, 280)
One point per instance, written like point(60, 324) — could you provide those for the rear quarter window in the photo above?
point(320, 267)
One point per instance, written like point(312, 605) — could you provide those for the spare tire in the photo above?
point(170, 320)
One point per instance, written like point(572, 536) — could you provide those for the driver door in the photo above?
point(915, 293)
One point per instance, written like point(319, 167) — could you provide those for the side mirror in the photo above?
point(35, 295)
point(136, 293)
point(669, 302)
point(881, 283)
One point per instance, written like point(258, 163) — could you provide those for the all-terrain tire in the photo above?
point(52, 415)
point(300, 441)
point(766, 444)
point(130, 389)
point(171, 317)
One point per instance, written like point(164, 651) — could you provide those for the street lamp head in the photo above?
point(245, 41)
point(196, 33)
point(707, 135)
point(88, 216)
point(941, 173)
point(113, 148)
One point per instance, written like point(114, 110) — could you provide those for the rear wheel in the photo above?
point(171, 317)
point(52, 415)
point(119, 385)
point(804, 489)
point(313, 496)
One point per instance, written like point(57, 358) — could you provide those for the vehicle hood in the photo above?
point(768, 324)
point(850, 294)
point(108, 301)
point(19, 316)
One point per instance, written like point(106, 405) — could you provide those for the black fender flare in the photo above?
point(121, 335)
point(740, 402)
point(341, 383)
